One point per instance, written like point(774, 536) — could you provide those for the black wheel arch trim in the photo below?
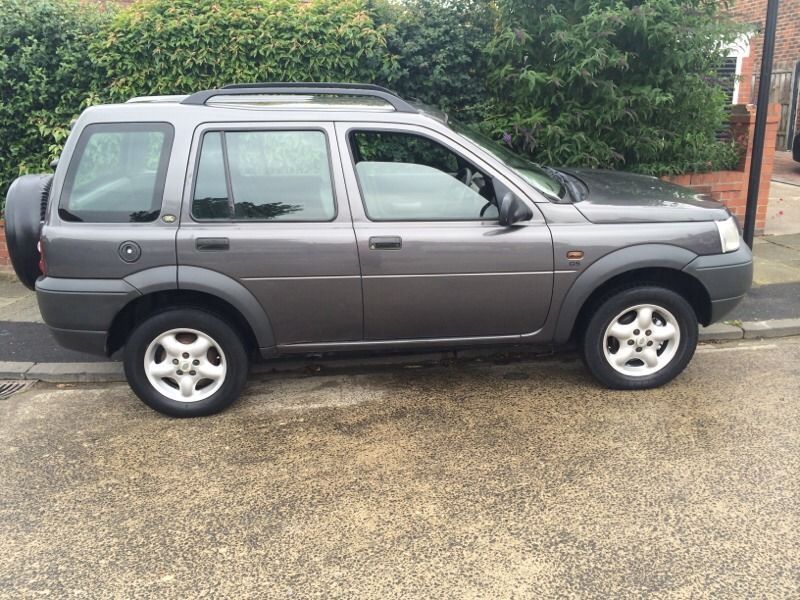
point(234, 293)
point(615, 263)
point(95, 304)
point(82, 304)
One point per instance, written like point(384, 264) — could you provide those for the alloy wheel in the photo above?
point(641, 340)
point(185, 365)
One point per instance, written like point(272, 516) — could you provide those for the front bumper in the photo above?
point(80, 312)
point(726, 278)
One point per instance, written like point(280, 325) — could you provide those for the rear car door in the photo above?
point(265, 205)
point(435, 261)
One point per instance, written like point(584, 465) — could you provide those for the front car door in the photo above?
point(265, 205)
point(435, 262)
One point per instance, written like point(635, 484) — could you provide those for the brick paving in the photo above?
point(784, 169)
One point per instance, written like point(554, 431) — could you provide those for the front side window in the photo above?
point(408, 177)
point(117, 173)
point(533, 173)
point(264, 176)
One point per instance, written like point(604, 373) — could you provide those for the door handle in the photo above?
point(211, 244)
point(385, 243)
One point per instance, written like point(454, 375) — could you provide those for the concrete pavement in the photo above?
point(783, 211)
point(777, 259)
point(471, 481)
point(17, 303)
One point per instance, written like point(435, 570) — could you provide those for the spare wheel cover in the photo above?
point(26, 206)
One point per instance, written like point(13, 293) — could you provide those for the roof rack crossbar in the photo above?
point(346, 89)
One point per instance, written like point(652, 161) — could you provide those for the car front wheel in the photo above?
point(186, 363)
point(640, 337)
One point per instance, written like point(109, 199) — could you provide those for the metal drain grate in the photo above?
point(7, 388)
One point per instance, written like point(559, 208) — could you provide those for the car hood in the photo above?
point(618, 197)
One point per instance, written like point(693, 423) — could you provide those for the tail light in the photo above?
point(42, 261)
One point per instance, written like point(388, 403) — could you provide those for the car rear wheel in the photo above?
point(640, 337)
point(186, 363)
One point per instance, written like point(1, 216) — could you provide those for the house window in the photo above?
point(727, 74)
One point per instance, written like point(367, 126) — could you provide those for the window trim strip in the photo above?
point(226, 167)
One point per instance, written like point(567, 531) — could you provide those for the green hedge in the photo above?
point(611, 83)
point(607, 83)
point(180, 46)
point(438, 47)
point(46, 76)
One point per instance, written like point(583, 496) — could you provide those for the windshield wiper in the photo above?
point(575, 192)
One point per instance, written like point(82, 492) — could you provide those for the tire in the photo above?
point(655, 358)
point(26, 207)
point(180, 389)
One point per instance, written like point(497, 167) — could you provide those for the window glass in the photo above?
point(211, 190)
point(274, 176)
point(407, 177)
point(117, 173)
point(377, 146)
point(533, 173)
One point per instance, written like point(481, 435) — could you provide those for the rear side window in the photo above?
point(264, 176)
point(117, 173)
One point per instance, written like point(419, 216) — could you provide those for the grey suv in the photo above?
point(195, 233)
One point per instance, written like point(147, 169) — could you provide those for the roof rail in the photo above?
point(344, 89)
point(145, 99)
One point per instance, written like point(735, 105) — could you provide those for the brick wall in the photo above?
point(787, 37)
point(787, 41)
point(5, 263)
point(730, 187)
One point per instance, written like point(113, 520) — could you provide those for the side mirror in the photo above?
point(513, 210)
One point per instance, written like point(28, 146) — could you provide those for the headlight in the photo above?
point(728, 234)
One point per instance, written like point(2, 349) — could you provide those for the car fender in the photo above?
point(615, 263)
point(156, 279)
point(234, 293)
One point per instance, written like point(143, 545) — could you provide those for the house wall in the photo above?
point(787, 38)
point(787, 42)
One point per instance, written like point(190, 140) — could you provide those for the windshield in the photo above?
point(534, 174)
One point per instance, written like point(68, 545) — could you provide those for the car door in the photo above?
point(435, 262)
point(265, 204)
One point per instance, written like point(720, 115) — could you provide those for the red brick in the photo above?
point(787, 39)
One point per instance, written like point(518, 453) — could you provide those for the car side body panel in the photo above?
point(304, 275)
point(449, 279)
point(86, 250)
point(600, 271)
point(211, 282)
point(325, 269)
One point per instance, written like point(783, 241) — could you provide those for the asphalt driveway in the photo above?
point(470, 481)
